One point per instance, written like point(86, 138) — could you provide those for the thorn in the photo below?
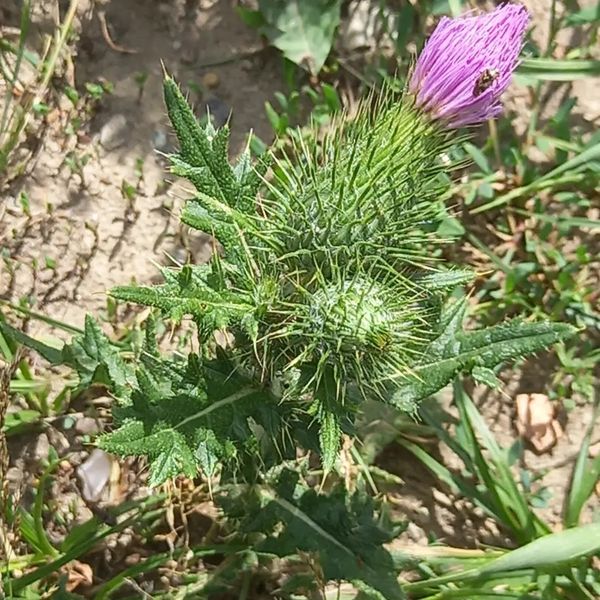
point(164, 69)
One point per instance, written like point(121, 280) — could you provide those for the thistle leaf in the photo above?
point(96, 360)
point(90, 354)
point(450, 279)
point(486, 377)
point(189, 416)
point(486, 348)
point(203, 158)
point(189, 291)
point(342, 531)
point(203, 155)
point(329, 438)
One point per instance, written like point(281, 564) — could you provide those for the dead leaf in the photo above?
point(536, 421)
point(78, 573)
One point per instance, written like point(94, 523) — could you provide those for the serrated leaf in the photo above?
point(302, 29)
point(189, 415)
point(441, 280)
point(189, 291)
point(177, 460)
point(205, 454)
point(90, 354)
point(97, 361)
point(451, 320)
point(203, 154)
point(344, 533)
point(486, 348)
point(204, 159)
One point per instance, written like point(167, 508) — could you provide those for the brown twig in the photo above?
point(108, 39)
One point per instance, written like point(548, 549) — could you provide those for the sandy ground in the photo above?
point(95, 238)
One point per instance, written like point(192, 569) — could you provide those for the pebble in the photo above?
point(87, 426)
point(94, 474)
point(114, 132)
point(14, 475)
point(65, 466)
point(211, 80)
point(58, 440)
point(41, 448)
point(133, 559)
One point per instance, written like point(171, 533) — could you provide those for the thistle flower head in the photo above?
point(467, 64)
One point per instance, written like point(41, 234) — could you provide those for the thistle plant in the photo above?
point(324, 277)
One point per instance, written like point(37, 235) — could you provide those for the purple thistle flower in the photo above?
point(467, 64)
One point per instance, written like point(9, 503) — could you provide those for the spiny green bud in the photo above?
point(367, 191)
point(364, 332)
point(359, 316)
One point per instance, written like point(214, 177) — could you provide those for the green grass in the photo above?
point(19, 109)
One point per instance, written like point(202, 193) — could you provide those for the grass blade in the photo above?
point(567, 172)
point(551, 69)
point(550, 550)
point(584, 477)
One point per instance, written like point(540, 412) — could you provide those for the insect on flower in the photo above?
point(485, 81)
point(453, 82)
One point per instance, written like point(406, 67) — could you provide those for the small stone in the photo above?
point(14, 475)
point(133, 559)
point(114, 132)
point(41, 448)
point(87, 426)
point(76, 458)
point(58, 440)
point(94, 474)
point(65, 465)
point(211, 80)
point(125, 539)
